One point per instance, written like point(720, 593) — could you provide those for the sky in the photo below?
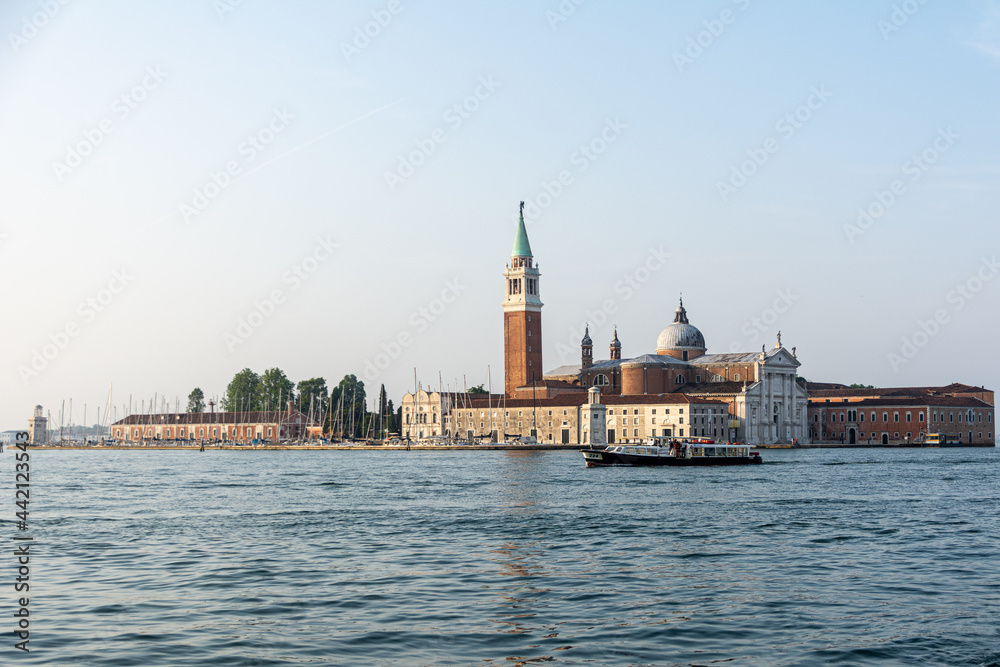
point(196, 187)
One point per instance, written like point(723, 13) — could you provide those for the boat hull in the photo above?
point(597, 458)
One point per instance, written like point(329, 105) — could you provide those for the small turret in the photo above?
point(616, 346)
point(586, 350)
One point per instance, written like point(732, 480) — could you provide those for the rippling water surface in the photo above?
point(848, 557)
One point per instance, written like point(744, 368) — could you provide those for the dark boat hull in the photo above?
point(596, 458)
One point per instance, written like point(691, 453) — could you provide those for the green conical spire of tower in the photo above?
point(521, 246)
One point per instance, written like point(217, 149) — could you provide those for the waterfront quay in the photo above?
point(432, 448)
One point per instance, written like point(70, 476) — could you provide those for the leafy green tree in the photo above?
point(243, 392)
point(316, 391)
point(862, 386)
point(391, 424)
point(275, 390)
point(350, 392)
point(196, 400)
point(478, 389)
point(382, 416)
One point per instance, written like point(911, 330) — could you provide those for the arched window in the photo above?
point(601, 381)
point(679, 380)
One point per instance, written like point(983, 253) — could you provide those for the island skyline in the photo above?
point(203, 205)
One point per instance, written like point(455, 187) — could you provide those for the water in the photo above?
point(848, 557)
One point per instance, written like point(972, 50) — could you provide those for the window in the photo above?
point(920, 416)
point(873, 417)
point(697, 378)
point(736, 378)
point(601, 380)
point(679, 379)
point(885, 417)
point(635, 411)
point(951, 417)
point(862, 416)
point(636, 432)
point(895, 417)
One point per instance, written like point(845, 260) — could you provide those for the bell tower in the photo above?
point(522, 316)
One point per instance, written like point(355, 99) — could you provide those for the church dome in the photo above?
point(680, 336)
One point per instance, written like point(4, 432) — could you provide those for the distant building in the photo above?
point(38, 428)
point(241, 427)
point(9, 437)
point(900, 415)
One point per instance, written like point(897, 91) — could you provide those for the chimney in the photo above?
point(290, 403)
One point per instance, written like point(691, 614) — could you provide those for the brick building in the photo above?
point(238, 427)
point(901, 415)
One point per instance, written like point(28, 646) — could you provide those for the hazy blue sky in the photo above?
point(121, 225)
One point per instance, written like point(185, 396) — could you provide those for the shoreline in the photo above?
point(440, 448)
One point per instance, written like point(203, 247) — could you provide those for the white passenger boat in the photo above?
point(662, 451)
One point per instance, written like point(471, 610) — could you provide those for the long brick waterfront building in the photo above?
point(239, 427)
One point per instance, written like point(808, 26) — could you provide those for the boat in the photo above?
point(664, 451)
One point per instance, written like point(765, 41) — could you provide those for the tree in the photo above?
point(243, 392)
point(352, 391)
point(478, 389)
point(314, 390)
point(196, 400)
point(383, 416)
point(862, 386)
point(390, 418)
point(275, 390)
